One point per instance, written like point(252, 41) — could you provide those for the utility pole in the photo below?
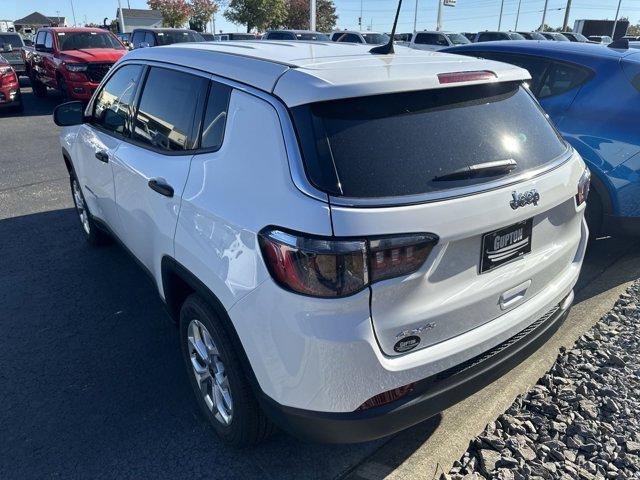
point(439, 21)
point(500, 19)
point(415, 17)
point(360, 17)
point(544, 15)
point(565, 24)
point(518, 15)
point(122, 29)
point(615, 23)
point(312, 16)
point(73, 12)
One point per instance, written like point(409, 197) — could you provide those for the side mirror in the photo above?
point(28, 43)
point(69, 114)
point(143, 45)
point(40, 47)
point(113, 121)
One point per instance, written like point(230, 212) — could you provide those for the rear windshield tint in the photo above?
point(397, 144)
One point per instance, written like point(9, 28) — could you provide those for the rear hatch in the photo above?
point(480, 167)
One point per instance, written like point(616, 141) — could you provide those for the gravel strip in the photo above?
point(581, 420)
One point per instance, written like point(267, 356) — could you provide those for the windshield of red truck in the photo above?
point(86, 40)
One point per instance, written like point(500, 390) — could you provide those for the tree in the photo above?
point(201, 13)
point(257, 14)
point(298, 15)
point(174, 12)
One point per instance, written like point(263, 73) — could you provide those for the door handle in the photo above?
point(102, 156)
point(161, 186)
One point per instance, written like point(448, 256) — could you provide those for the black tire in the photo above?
point(92, 232)
point(248, 425)
point(39, 89)
point(594, 214)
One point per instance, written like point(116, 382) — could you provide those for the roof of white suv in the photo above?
point(302, 72)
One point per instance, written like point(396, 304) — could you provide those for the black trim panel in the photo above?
point(429, 397)
point(623, 226)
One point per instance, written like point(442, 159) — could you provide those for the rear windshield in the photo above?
point(458, 39)
point(14, 40)
point(376, 38)
point(87, 40)
point(397, 144)
point(167, 38)
point(318, 37)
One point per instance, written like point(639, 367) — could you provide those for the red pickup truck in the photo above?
point(71, 60)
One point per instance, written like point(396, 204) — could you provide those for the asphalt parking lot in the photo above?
point(91, 380)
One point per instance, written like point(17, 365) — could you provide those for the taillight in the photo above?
point(583, 187)
point(459, 77)
point(7, 76)
point(331, 267)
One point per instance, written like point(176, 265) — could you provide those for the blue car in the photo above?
point(592, 93)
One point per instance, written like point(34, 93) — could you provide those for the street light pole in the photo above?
point(500, 19)
point(439, 21)
point(615, 23)
point(73, 12)
point(312, 16)
point(415, 17)
point(544, 15)
point(565, 24)
point(518, 15)
point(360, 17)
point(122, 29)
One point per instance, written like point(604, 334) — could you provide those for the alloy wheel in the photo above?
point(81, 207)
point(209, 372)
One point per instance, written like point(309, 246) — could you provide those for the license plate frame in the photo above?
point(505, 245)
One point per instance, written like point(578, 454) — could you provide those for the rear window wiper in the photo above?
point(486, 169)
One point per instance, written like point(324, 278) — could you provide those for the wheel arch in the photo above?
point(67, 161)
point(177, 284)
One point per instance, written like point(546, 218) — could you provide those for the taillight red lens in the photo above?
point(315, 266)
point(7, 76)
point(333, 267)
point(583, 187)
point(459, 77)
point(394, 256)
point(387, 397)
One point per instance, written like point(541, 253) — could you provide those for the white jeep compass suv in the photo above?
point(350, 242)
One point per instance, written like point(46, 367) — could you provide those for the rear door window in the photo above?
point(215, 118)
point(398, 144)
point(170, 122)
point(562, 77)
point(536, 66)
point(150, 39)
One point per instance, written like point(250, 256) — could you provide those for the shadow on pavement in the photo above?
point(34, 106)
point(92, 382)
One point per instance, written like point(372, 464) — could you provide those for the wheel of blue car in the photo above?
point(218, 380)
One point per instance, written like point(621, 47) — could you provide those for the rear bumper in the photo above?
point(625, 226)
point(10, 96)
point(430, 395)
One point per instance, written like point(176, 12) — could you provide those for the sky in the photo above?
point(466, 16)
